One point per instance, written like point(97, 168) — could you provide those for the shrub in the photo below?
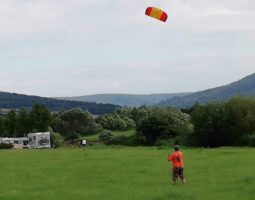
point(105, 136)
point(114, 121)
point(117, 140)
point(56, 140)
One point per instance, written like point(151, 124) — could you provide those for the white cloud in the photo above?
point(76, 47)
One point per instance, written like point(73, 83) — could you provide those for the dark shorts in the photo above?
point(178, 172)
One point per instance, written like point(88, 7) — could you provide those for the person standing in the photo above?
point(177, 165)
point(83, 143)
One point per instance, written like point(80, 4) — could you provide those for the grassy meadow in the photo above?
point(125, 173)
point(95, 137)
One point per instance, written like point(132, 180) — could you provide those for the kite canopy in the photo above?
point(156, 13)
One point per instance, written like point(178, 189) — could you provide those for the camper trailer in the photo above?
point(39, 140)
point(18, 143)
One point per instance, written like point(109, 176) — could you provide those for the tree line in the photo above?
point(19, 123)
point(230, 123)
point(70, 124)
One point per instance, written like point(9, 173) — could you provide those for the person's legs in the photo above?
point(181, 175)
point(175, 175)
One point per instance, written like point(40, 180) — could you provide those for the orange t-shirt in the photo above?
point(176, 158)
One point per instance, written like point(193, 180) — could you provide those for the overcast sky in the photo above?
point(81, 47)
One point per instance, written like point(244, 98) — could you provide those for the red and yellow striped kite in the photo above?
point(156, 13)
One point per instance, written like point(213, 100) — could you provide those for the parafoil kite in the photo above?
point(156, 13)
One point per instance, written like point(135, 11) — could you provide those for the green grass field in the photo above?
point(95, 137)
point(124, 173)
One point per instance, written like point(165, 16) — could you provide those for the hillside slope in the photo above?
point(126, 99)
point(243, 87)
point(16, 101)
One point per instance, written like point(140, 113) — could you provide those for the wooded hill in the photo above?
point(17, 101)
point(244, 87)
point(126, 99)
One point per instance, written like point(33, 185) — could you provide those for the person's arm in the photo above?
point(170, 158)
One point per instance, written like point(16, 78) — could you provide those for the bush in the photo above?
point(114, 121)
point(105, 136)
point(56, 140)
point(6, 146)
point(117, 140)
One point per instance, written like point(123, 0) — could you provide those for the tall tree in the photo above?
point(24, 124)
point(1, 126)
point(40, 118)
point(73, 123)
point(11, 123)
point(162, 123)
point(211, 126)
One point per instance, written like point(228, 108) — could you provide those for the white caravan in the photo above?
point(18, 143)
point(39, 140)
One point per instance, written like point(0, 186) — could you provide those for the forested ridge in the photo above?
point(18, 101)
point(244, 87)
